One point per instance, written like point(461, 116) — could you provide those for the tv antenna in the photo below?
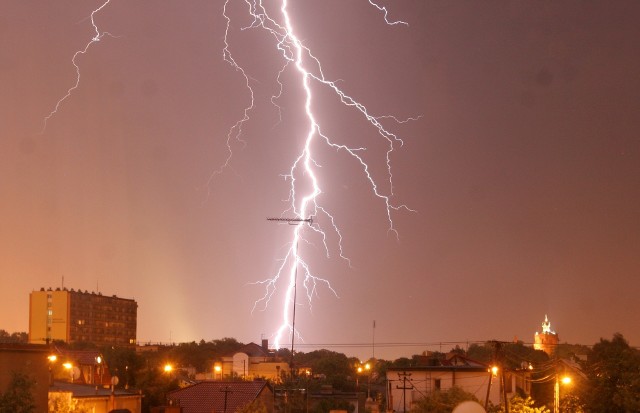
point(293, 221)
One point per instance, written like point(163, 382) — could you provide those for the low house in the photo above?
point(95, 399)
point(221, 396)
point(81, 366)
point(253, 361)
point(410, 384)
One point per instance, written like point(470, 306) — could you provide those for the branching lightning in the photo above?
point(305, 189)
point(96, 38)
point(305, 203)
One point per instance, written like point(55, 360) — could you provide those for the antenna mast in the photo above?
point(293, 221)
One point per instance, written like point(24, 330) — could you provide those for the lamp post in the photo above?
point(566, 380)
point(52, 359)
point(367, 368)
point(493, 372)
point(69, 366)
point(361, 368)
point(99, 365)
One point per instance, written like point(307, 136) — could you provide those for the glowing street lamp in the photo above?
point(217, 369)
point(69, 366)
point(566, 380)
point(494, 373)
point(168, 368)
point(99, 362)
point(362, 368)
point(52, 359)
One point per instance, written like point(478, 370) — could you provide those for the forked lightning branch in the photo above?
point(305, 212)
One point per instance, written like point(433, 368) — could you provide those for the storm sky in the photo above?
point(522, 164)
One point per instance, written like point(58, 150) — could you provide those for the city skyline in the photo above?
point(520, 158)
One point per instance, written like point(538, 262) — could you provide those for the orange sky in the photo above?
point(524, 168)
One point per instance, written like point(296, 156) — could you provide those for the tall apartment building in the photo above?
point(74, 316)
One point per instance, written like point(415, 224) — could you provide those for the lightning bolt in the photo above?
point(304, 186)
point(305, 190)
point(96, 38)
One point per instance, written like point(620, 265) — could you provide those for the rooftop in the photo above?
point(209, 396)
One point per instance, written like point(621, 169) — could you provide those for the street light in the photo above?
point(361, 368)
point(566, 380)
point(217, 369)
point(494, 373)
point(69, 366)
point(99, 361)
point(52, 359)
point(367, 367)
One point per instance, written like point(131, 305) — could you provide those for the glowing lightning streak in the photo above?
point(306, 205)
point(98, 36)
point(386, 14)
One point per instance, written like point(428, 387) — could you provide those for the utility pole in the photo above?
point(293, 221)
point(226, 391)
point(498, 359)
point(404, 376)
point(486, 400)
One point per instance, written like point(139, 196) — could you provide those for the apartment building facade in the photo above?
point(77, 316)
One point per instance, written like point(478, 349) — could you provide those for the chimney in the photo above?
point(265, 344)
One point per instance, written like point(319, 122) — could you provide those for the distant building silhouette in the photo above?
point(546, 341)
point(76, 316)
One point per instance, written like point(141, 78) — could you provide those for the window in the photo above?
point(436, 384)
point(50, 313)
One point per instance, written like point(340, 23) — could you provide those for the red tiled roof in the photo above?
point(208, 396)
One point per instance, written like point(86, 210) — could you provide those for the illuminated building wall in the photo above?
point(74, 316)
point(546, 341)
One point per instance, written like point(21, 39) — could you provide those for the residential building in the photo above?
point(253, 362)
point(30, 360)
point(548, 340)
point(80, 366)
point(94, 398)
point(76, 316)
point(408, 385)
point(221, 396)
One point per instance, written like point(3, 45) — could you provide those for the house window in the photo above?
point(436, 384)
point(49, 313)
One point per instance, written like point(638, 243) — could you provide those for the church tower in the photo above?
point(546, 341)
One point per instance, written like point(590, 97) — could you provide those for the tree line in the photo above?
point(611, 370)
